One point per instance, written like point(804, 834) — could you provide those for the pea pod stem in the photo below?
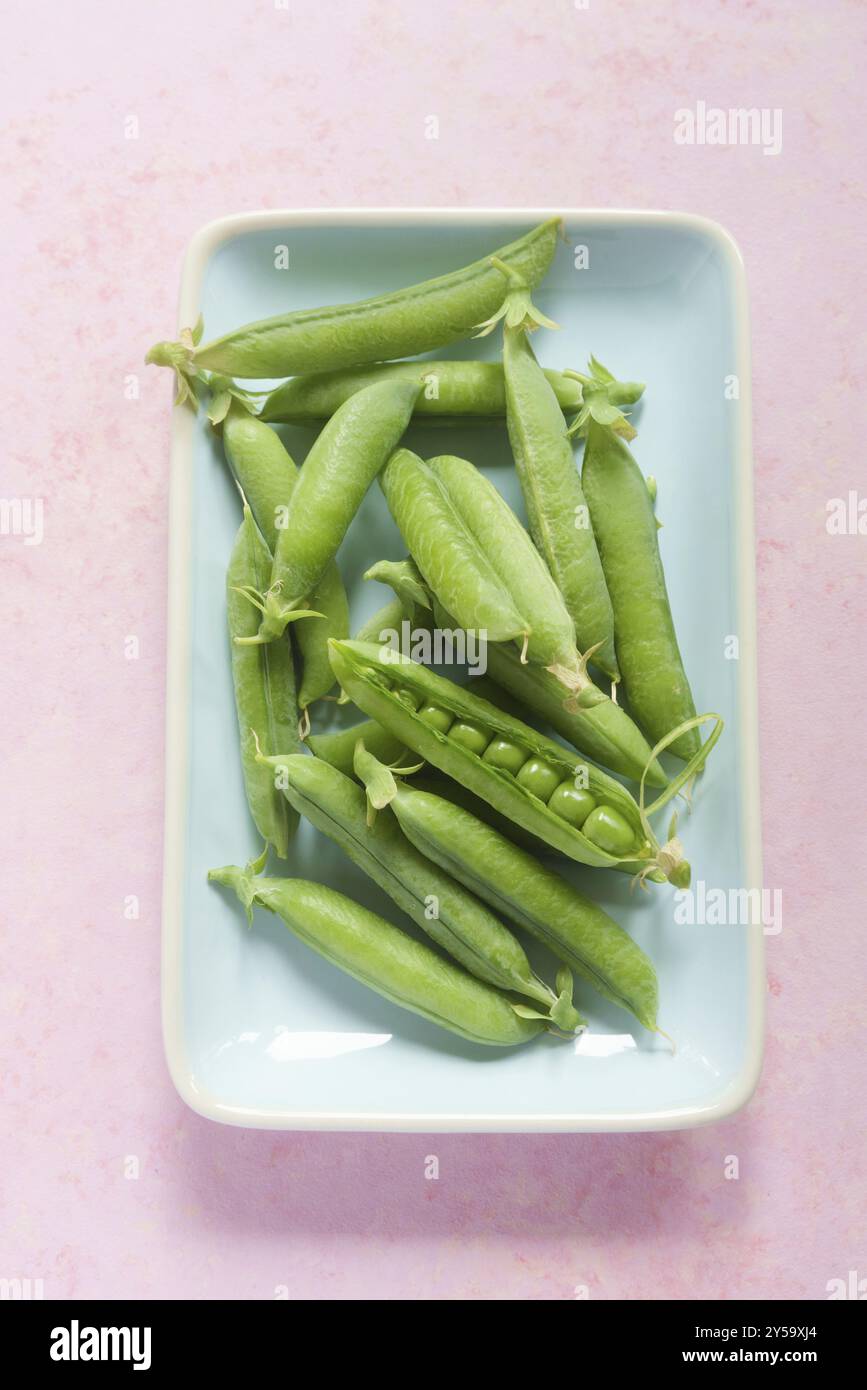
point(289, 613)
point(670, 855)
point(603, 394)
point(338, 748)
point(517, 310)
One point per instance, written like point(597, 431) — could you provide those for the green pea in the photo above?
point(539, 777)
point(509, 756)
point(407, 697)
point(609, 830)
point(572, 803)
point(436, 717)
point(469, 736)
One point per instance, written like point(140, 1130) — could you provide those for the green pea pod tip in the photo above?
point(602, 395)
point(241, 881)
point(517, 312)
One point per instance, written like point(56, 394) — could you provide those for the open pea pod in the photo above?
point(589, 719)
point(568, 803)
point(338, 750)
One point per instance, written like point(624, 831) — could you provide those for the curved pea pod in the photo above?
point(477, 558)
point(266, 475)
point(450, 390)
point(444, 909)
point(264, 685)
point(370, 678)
point(405, 322)
point(556, 506)
point(446, 553)
point(381, 956)
point(340, 467)
point(647, 650)
point(438, 784)
point(532, 896)
point(338, 748)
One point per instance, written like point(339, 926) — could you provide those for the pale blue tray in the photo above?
point(259, 1031)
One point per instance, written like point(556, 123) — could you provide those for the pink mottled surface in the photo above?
point(243, 104)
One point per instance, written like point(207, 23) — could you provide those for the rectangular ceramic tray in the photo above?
point(260, 1031)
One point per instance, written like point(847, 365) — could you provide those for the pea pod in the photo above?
point(267, 475)
point(445, 910)
point(340, 467)
point(647, 650)
point(512, 767)
point(382, 957)
point(338, 749)
point(264, 685)
point(462, 390)
point(556, 507)
point(477, 558)
point(515, 884)
point(403, 323)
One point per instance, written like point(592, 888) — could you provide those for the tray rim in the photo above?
point(203, 244)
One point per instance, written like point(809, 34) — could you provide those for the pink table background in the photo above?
point(243, 104)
